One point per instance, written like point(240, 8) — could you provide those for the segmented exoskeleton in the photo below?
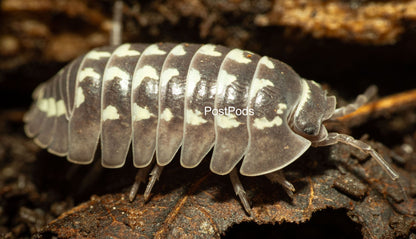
point(162, 97)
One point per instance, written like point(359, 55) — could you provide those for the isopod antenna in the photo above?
point(117, 27)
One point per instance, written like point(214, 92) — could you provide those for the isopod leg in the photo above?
point(359, 101)
point(334, 138)
point(154, 176)
point(278, 177)
point(141, 177)
point(239, 191)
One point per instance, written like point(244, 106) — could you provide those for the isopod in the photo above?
point(158, 98)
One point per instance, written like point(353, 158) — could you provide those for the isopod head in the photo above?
point(313, 108)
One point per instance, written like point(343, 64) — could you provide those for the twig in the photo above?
point(387, 105)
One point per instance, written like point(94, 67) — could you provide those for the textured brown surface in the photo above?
point(347, 45)
point(60, 30)
point(205, 205)
point(371, 22)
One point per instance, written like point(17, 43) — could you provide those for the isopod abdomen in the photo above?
point(161, 97)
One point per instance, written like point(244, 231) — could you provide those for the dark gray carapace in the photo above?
point(162, 97)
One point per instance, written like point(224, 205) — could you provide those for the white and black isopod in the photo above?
point(155, 98)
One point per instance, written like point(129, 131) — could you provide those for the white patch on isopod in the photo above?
point(153, 50)
point(60, 108)
point(257, 85)
point(43, 105)
point(166, 115)
point(281, 108)
point(167, 74)
point(88, 72)
point(140, 74)
point(192, 80)
point(224, 80)
point(261, 123)
point(238, 56)
point(178, 51)
point(304, 97)
point(96, 55)
point(51, 107)
point(209, 50)
point(227, 121)
point(110, 113)
point(114, 73)
point(79, 97)
point(194, 117)
point(140, 113)
point(124, 50)
point(265, 61)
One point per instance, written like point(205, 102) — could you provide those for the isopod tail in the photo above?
point(33, 116)
point(47, 127)
point(47, 120)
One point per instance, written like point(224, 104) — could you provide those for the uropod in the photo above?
point(159, 98)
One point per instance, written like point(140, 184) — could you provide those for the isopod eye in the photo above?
point(310, 129)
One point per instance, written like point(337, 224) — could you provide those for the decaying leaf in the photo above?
point(196, 203)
